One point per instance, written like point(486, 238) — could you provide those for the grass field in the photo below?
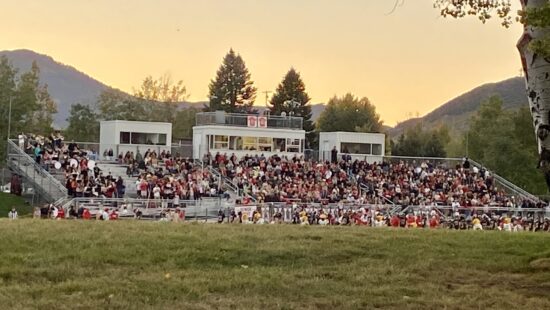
point(88, 265)
point(7, 201)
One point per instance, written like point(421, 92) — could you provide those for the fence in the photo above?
point(287, 212)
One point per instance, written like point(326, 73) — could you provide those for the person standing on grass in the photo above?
point(12, 215)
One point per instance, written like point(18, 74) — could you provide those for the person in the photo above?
point(466, 163)
point(37, 153)
point(12, 215)
point(36, 213)
point(334, 155)
point(476, 223)
point(86, 214)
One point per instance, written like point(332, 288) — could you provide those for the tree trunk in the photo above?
point(537, 76)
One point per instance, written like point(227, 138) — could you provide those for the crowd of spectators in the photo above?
point(261, 179)
point(281, 179)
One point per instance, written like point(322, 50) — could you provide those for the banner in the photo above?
point(262, 122)
point(252, 121)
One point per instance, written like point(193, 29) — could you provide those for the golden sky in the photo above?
point(407, 62)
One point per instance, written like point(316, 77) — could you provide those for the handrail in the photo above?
point(507, 184)
point(15, 152)
point(29, 160)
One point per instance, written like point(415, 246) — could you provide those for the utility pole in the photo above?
point(267, 92)
point(7, 144)
point(9, 120)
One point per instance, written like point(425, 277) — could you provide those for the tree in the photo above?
point(534, 49)
point(183, 123)
point(349, 113)
point(116, 105)
point(421, 143)
point(7, 90)
point(83, 124)
point(232, 90)
point(291, 98)
point(160, 97)
point(503, 141)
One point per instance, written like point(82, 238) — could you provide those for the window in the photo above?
point(355, 148)
point(124, 137)
point(250, 143)
point(377, 149)
point(221, 142)
point(265, 144)
point(279, 145)
point(161, 139)
point(293, 145)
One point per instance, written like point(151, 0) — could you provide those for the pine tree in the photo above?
point(291, 98)
point(232, 90)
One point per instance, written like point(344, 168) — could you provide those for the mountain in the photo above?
point(456, 113)
point(66, 84)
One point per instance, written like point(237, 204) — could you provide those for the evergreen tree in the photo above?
point(232, 90)
point(83, 124)
point(291, 97)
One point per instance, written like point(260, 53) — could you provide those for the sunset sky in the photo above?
point(407, 62)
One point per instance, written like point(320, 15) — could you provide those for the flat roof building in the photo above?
point(361, 146)
point(123, 136)
point(247, 134)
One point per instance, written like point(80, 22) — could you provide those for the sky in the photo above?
point(407, 63)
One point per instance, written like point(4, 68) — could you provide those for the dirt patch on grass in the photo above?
point(541, 264)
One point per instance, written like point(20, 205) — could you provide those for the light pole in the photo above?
point(9, 119)
point(7, 144)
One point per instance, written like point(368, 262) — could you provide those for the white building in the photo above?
point(242, 134)
point(124, 136)
point(361, 146)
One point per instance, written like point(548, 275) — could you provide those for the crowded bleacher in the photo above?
point(337, 192)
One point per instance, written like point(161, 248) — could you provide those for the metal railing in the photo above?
point(241, 120)
point(50, 187)
point(202, 209)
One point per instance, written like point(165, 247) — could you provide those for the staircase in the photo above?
point(119, 170)
point(47, 186)
point(226, 183)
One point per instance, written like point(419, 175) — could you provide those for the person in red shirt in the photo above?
point(434, 222)
point(419, 222)
point(61, 213)
point(411, 221)
point(113, 216)
point(86, 214)
point(394, 221)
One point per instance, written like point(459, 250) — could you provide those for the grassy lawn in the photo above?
point(88, 265)
point(7, 201)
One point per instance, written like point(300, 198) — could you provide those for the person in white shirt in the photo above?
point(12, 215)
point(55, 212)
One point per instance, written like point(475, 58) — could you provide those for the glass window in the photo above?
point(355, 148)
point(377, 149)
point(265, 144)
point(137, 138)
point(221, 142)
point(161, 139)
point(279, 145)
point(293, 145)
point(250, 143)
point(124, 137)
